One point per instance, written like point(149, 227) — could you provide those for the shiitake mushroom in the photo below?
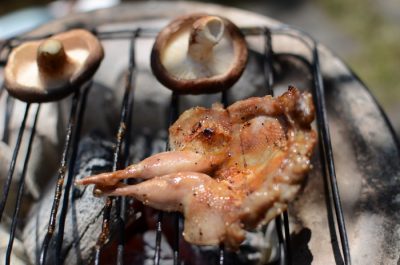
point(51, 69)
point(198, 54)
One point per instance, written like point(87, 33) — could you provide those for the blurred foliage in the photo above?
point(378, 60)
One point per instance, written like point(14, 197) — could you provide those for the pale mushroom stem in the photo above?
point(51, 56)
point(205, 34)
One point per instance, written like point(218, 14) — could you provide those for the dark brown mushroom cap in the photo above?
point(79, 58)
point(176, 31)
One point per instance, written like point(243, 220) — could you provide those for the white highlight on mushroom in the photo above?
point(29, 71)
point(51, 56)
point(201, 49)
point(51, 69)
point(205, 34)
point(51, 46)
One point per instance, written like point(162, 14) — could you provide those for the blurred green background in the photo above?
point(364, 33)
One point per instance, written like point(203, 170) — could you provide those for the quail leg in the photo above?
point(207, 204)
point(156, 165)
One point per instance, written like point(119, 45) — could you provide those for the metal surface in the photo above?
point(71, 165)
point(61, 177)
point(173, 115)
point(327, 153)
point(118, 159)
point(21, 185)
point(288, 56)
point(6, 187)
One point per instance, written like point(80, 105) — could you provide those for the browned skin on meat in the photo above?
point(229, 169)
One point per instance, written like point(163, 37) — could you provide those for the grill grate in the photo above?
point(60, 182)
point(173, 115)
point(121, 151)
point(21, 189)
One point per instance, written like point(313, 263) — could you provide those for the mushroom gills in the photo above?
point(202, 50)
point(205, 34)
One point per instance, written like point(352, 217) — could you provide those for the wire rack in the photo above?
point(123, 141)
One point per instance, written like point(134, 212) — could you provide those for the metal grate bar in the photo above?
point(287, 238)
point(21, 190)
point(17, 40)
point(11, 169)
point(151, 33)
point(2, 87)
point(7, 118)
point(123, 199)
point(268, 57)
point(173, 115)
point(327, 152)
point(278, 225)
point(269, 82)
point(284, 239)
point(283, 230)
point(327, 159)
point(118, 157)
point(178, 229)
point(3, 45)
point(129, 33)
point(104, 230)
point(157, 250)
point(221, 259)
point(125, 109)
point(60, 182)
point(70, 177)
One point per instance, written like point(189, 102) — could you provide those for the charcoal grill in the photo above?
point(362, 229)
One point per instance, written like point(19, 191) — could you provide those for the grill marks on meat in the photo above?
point(229, 169)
